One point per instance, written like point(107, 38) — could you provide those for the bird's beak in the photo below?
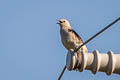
point(58, 21)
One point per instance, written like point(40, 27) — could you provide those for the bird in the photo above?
point(70, 39)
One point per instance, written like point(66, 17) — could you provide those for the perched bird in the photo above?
point(69, 37)
point(71, 40)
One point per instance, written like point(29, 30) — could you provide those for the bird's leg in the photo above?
point(77, 62)
point(78, 59)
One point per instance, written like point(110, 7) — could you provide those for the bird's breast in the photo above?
point(67, 40)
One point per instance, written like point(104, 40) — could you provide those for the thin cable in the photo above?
point(97, 34)
point(88, 41)
point(62, 72)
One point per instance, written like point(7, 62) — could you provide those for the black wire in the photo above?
point(88, 41)
point(62, 72)
point(97, 34)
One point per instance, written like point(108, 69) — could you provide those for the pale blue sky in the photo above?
point(30, 46)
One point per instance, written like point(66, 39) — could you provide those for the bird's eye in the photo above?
point(63, 21)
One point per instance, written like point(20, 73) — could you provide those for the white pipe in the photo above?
point(95, 61)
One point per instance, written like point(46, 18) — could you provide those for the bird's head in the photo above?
point(63, 23)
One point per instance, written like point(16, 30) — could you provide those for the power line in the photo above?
point(97, 34)
point(62, 72)
point(108, 26)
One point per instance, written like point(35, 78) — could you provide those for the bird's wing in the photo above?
point(73, 31)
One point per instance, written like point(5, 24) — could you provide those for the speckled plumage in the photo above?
point(69, 37)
